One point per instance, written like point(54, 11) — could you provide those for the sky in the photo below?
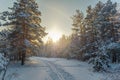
point(56, 14)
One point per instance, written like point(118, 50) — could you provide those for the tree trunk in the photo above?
point(114, 58)
point(19, 57)
point(23, 54)
point(23, 58)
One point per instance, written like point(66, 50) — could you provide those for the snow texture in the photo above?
point(37, 68)
point(3, 62)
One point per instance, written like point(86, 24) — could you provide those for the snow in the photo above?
point(80, 70)
point(27, 42)
point(49, 68)
point(3, 62)
point(113, 46)
point(23, 14)
point(39, 68)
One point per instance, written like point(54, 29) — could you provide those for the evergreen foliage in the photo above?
point(27, 33)
point(98, 30)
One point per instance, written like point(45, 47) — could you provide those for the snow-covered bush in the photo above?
point(113, 50)
point(101, 60)
point(3, 62)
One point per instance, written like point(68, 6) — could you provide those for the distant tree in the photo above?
point(49, 45)
point(63, 50)
point(57, 49)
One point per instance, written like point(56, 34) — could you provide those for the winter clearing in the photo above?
point(37, 68)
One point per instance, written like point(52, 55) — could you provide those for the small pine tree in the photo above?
point(101, 59)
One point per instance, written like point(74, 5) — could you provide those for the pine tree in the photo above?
point(105, 35)
point(78, 39)
point(77, 22)
point(91, 33)
point(104, 24)
point(27, 31)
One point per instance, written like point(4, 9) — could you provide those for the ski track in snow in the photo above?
point(58, 73)
point(38, 69)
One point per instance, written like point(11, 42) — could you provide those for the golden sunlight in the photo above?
point(54, 36)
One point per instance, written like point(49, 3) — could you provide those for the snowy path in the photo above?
point(57, 73)
point(52, 69)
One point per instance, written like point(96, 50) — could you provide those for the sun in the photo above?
point(54, 36)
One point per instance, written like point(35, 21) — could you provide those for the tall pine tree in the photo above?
point(27, 31)
point(78, 38)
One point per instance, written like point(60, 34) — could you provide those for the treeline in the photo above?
point(95, 37)
point(56, 49)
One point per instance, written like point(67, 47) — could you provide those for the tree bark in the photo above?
point(23, 58)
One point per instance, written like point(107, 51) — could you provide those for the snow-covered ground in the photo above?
point(37, 68)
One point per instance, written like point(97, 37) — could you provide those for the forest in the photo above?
point(95, 36)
